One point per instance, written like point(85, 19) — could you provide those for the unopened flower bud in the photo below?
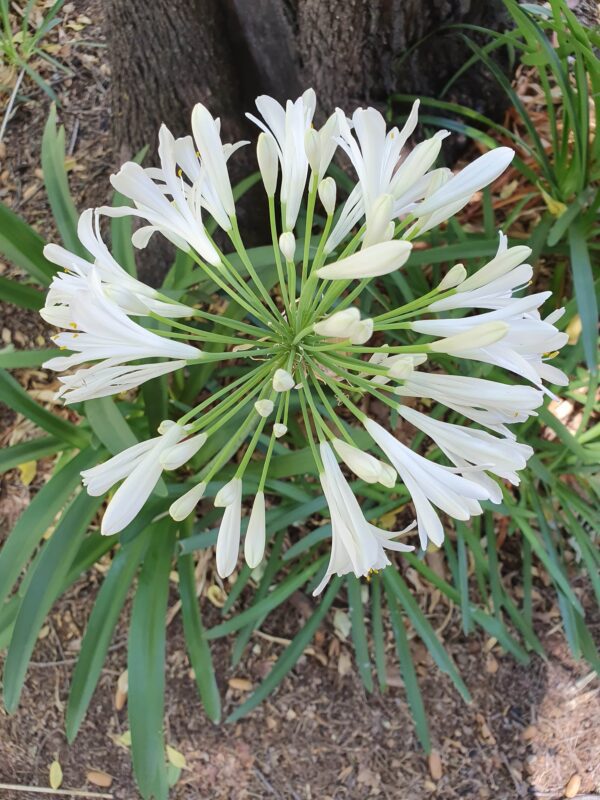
point(477, 337)
point(451, 279)
point(184, 505)
point(327, 195)
point(282, 381)
point(362, 331)
point(287, 245)
point(279, 429)
point(268, 162)
point(264, 407)
point(378, 224)
point(227, 494)
point(312, 148)
point(254, 543)
point(339, 324)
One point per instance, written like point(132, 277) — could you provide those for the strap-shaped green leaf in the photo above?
point(100, 627)
point(146, 665)
point(16, 397)
point(46, 584)
point(21, 245)
point(19, 294)
point(195, 639)
point(37, 518)
point(109, 425)
point(359, 631)
point(29, 451)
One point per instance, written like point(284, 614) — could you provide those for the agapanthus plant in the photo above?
point(303, 348)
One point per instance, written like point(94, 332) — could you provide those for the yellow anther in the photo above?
point(73, 325)
point(553, 354)
point(179, 172)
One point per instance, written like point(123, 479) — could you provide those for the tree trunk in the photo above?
point(167, 55)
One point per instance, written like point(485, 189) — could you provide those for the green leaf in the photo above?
point(19, 359)
point(407, 670)
point(45, 586)
point(29, 451)
point(57, 184)
point(38, 517)
point(146, 667)
point(108, 424)
point(121, 229)
point(587, 304)
point(17, 398)
point(422, 626)
point(377, 631)
point(19, 294)
point(290, 655)
point(359, 631)
point(100, 627)
point(21, 245)
point(195, 639)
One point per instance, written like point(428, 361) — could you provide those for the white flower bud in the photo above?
point(282, 381)
point(363, 464)
point(339, 324)
point(312, 148)
point(279, 429)
point(227, 493)
point(361, 332)
point(254, 543)
point(378, 222)
point(264, 407)
point(379, 259)
point(287, 245)
point(184, 505)
point(176, 456)
point(477, 337)
point(327, 194)
point(268, 162)
point(451, 279)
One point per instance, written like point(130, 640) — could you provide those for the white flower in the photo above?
point(288, 127)
point(282, 381)
point(108, 377)
point(400, 365)
point(228, 539)
point(356, 545)
point(501, 456)
point(457, 192)
point(133, 296)
point(169, 204)
point(520, 349)
point(364, 465)
point(338, 324)
point(471, 341)
point(141, 467)
point(489, 403)
point(321, 145)
point(254, 543)
point(379, 259)
point(177, 456)
point(184, 505)
point(101, 330)
point(427, 483)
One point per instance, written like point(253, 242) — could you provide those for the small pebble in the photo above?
point(573, 786)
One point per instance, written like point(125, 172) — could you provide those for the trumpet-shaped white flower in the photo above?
point(489, 403)
point(228, 538)
point(288, 127)
point(356, 545)
point(254, 543)
point(133, 296)
point(101, 330)
point(141, 467)
point(522, 347)
point(430, 483)
point(379, 259)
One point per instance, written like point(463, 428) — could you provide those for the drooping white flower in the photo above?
point(184, 505)
point(133, 296)
point(364, 465)
point(254, 543)
point(177, 456)
point(228, 538)
point(356, 545)
point(487, 402)
point(141, 467)
point(522, 347)
point(379, 259)
point(101, 330)
point(288, 127)
point(430, 483)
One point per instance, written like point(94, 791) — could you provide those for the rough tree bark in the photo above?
point(167, 55)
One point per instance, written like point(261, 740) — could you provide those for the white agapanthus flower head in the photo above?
point(307, 357)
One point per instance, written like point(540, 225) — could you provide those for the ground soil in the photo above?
point(529, 732)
